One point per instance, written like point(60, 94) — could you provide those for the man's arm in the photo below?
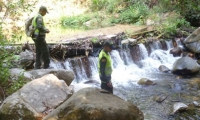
point(102, 69)
point(40, 26)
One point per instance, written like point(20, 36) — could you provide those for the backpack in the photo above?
point(29, 28)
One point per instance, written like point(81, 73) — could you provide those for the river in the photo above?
point(128, 71)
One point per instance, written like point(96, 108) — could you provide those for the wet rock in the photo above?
point(164, 45)
point(195, 83)
point(34, 99)
point(15, 73)
point(176, 87)
point(179, 107)
point(176, 52)
point(135, 53)
point(192, 113)
point(163, 68)
point(196, 104)
point(129, 40)
point(192, 42)
point(188, 54)
point(160, 98)
point(185, 65)
point(27, 59)
point(67, 76)
point(92, 104)
point(145, 81)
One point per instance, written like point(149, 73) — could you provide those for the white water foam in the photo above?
point(124, 74)
point(143, 51)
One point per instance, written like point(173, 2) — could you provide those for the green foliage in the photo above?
point(75, 21)
point(94, 40)
point(12, 10)
point(16, 85)
point(135, 13)
point(107, 5)
point(4, 54)
point(98, 4)
point(187, 8)
point(86, 21)
point(171, 25)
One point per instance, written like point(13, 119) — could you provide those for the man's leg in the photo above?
point(105, 87)
point(45, 53)
point(46, 57)
point(38, 53)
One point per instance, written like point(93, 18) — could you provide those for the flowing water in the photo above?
point(128, 71)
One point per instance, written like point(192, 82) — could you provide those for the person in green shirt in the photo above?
point(42, 50)
point(105, 67)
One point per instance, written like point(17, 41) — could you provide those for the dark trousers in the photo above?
point(105, 86)
point(42, 51)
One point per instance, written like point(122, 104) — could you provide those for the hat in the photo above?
point(44, 8)
point(109, 44)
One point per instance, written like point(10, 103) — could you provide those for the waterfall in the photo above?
point(67, 65)
point(116, 58)
point(125, 70)
point(94, 67)
point(169, 44)
point(143, 51)
point(56, 64)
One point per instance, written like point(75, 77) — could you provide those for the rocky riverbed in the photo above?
point(153, 80)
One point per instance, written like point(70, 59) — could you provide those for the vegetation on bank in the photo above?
point(166, 16)
point(12, 10)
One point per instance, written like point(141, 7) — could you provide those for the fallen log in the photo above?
point(79, 47)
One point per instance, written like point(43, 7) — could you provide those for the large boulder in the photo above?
point(192, 42)
point(67, 76)
point(35, 99)
point(185, 65)
point(27, 59)
point(93, 104)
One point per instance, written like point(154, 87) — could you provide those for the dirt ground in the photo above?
point(101, 31)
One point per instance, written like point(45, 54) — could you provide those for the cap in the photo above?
point(44, 8)
point(109, 44)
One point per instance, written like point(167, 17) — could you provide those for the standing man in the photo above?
point(42, 50)
point(105, 67)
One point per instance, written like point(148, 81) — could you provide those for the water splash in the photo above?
point(143, 51)
point(169, 44)
point(125, 70)
point(56, 64)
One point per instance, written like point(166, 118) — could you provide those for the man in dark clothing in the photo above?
point(38, 37)
point(105, 67)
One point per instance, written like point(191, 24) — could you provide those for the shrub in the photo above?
point(16, 85)
point(135, 13)
point(170, 25)
point(109, 6)
point(4, 54)
point(12, 10)
point(75, 21)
